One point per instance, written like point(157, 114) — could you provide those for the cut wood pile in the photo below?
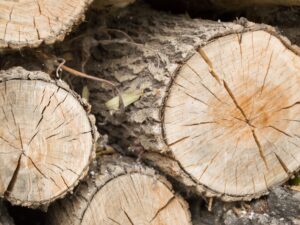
point(198, 119)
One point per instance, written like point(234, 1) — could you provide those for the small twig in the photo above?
point(60, 66)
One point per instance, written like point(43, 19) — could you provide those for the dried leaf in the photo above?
point(86, 92)
point(295, 188)
point(128, 98)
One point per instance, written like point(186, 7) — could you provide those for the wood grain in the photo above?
point(213, 117)
point(232, 116)
point(32, 22)
point(124, 192)
point(46, 138)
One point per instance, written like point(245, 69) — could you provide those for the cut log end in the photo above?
point(231, 117)
point(25, 23)
point(223, 117)
point(47, 140)
point(125, 193)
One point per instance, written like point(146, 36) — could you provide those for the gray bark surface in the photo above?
point(280, 207)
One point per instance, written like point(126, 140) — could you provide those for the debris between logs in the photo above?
point(220, 5)
point(47, 140)
point(124, 192)
point(108, 4)
point(26, 23)
point(5, 218)
point(218, 101)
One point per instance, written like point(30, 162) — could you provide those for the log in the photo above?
point(47, 138)
point(218, 5)
point(124, 192)
point(5, 218)
point(219, 103)
point(25, 23)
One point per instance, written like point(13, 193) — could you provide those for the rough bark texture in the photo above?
point(30, 23)
point(281, 207)
point(123, 192)
point(229, 117)
point(47, 137)
point(147, 61)
point(5, 218)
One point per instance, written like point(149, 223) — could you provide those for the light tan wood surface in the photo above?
point(125, 192)
point(46, 137)
point(32, 22)
point(232, 115)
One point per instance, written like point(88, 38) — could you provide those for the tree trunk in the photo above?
point(124, 192)
point(5, 218)
point(218, 104)
point(26, 23)
point(47, 138)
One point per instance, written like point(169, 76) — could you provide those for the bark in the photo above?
point(122, 192)
point(5, 218)
point(41, 22)
point(47, 138)
point(165, 58)
point(281, 207)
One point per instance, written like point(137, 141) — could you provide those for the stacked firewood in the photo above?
point(174, 114)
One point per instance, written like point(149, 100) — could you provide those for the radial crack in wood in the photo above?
point(47, 138)
point(30, 23)
point(260, 77)
point(124, 193)
point(221, 101)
